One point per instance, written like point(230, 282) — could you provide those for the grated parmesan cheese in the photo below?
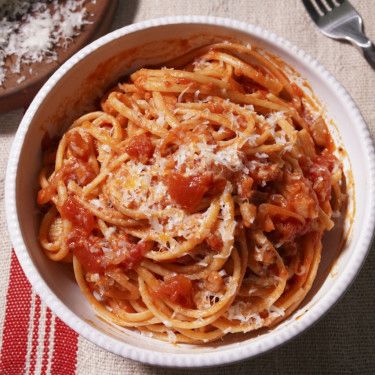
point(161, 119)
point(227, 226)
point(108, 233)
point(275, 311)
point(30, 31)
point(155, 225)
point(171, 336)
point(196, 95)
point(202, 263)
point(21, 79)
point(222, 273)
point(203, 155)
point(261, 155)
point(97, 203)
point(336, 214)
point(205, 299)
point(238, 312)
point(259, 253)
point(230, 158)
point(106, 148)
point(92, 277)
point(97, 296)
point(274, 117)
point(167, 323)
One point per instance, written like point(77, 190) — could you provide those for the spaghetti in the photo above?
point(193, 204)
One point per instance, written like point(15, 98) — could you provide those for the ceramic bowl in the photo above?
point(76, 86)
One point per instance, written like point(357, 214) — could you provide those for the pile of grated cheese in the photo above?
point(30, 30)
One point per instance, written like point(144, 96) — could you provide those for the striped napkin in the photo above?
point(34, 341)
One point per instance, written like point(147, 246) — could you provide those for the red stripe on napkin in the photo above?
point(16, 324)
point(35, 335)
point(65, 349)
point(46, 351)
point(63, 359)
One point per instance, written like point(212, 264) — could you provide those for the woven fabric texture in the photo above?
point(342, 342)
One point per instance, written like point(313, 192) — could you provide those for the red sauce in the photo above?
point(87, 249)
point(74, 170)
point(78, 215)
point(140, 148)
point(297, 90)
point(245, 185)
point(216, 107)
point(88, 254)
point(217, 186)
point(45, 194)
point(250, 86)
point(214, 242)
point(135, 254)
point(78, 146)
point(188, 191)
point(264, 172)
point(177, 289)
point(78, 171)
point(287, 229)
point(183, 81)
point(319, 172)
point(327, 160)
point(299, 196)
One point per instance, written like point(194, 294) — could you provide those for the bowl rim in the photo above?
point(237, 352)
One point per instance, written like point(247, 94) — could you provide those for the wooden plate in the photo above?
point(14, 95)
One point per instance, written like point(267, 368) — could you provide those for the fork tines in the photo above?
point(318, 8)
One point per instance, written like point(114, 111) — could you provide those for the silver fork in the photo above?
point(337, 19)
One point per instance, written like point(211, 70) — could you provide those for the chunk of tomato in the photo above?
point(79, 216)
point(78, 146)
point(177, 289)
point(188, 191)
point(135, 254)
point(214, 242)
point(89, 256)
point(140, 148)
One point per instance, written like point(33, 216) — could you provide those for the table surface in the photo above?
point(342, 341)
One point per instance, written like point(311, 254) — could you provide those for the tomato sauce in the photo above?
point(296, 89)
point(79, 148)
point(250, 87)
point(244, 186)
point(216, 107)
point(264, 172)
point(177, 289)
point(183, 81)
point(88, 250)
point(188, 191)
point(214, 242)
point(74, 170)
point(79, 216)
point(319, 172)
point(135, 254)
point(89, 255)
point(140, 148)
point(287, 229)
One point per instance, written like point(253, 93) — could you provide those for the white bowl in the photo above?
point(72, 89)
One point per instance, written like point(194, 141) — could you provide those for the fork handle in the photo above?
point(369, 54)
point(366, 46)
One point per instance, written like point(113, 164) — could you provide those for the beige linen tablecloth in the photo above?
point(343, 341)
